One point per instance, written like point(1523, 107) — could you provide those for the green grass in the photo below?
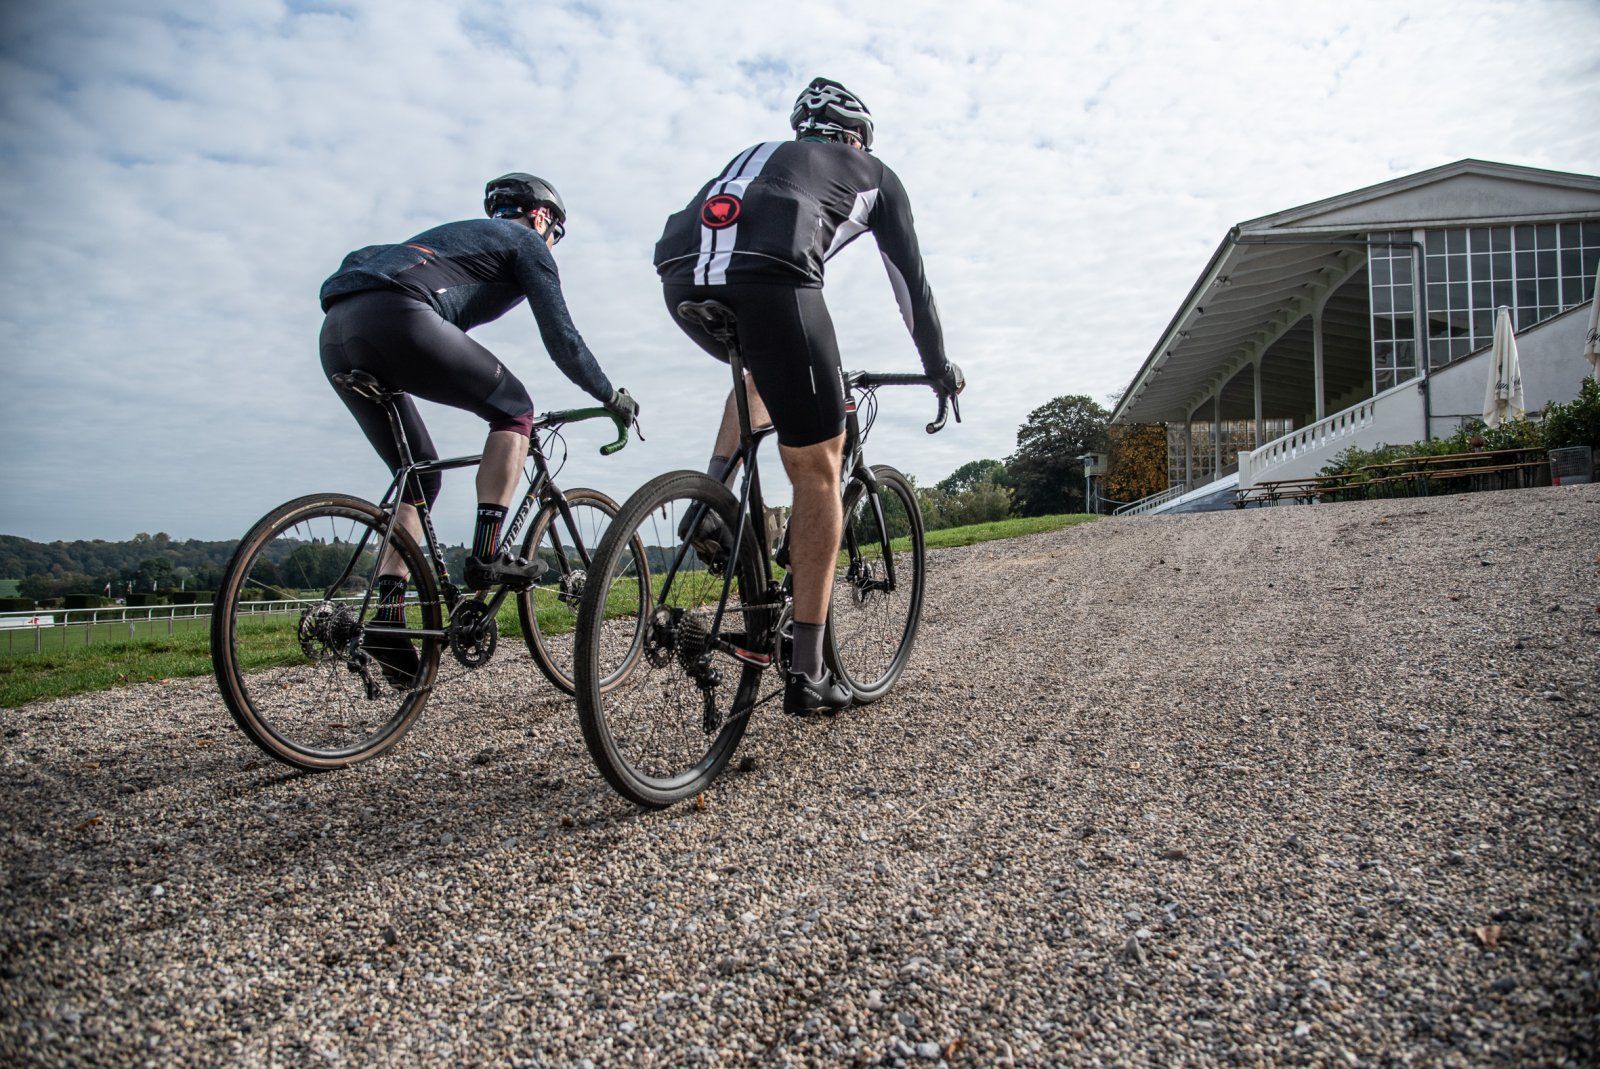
point(113, 660)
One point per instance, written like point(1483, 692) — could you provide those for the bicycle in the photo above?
point(672, 724)
point(298, 654)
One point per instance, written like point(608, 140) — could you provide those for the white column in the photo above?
point(1258, 403)
point(1316, 360)
point(1188, 450)
point(1216, 435)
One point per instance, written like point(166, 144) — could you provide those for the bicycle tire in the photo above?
point(871, 632)
point(271, 675)
point(613, 720)
point(550, 642)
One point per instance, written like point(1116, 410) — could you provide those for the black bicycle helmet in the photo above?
point(828, 109)
point(524, 193)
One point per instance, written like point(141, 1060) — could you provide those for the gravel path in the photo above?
point(1292, 786)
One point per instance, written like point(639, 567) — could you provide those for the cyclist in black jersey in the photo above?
point(756, 238)
point(401, 312)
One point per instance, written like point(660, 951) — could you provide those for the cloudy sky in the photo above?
point(178, 178)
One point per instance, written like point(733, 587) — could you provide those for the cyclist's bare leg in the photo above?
point(411, 521)
point(503, 454)
point(815, 525)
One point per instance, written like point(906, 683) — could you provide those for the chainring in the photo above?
point(473, 634)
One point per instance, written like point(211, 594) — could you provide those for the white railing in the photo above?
point(28, 628)
point(1152, 501)
point(1304, 451)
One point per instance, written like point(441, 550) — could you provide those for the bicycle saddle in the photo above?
point(716, 318)
point(362, 384)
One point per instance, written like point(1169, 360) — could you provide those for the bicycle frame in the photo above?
point(541, 486)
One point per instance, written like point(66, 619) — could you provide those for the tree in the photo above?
point(970, 475)
point(153, 572)
point(1138, 464)
point(1045, 471)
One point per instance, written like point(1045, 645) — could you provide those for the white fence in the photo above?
point(1395, 415)
point(38, 632)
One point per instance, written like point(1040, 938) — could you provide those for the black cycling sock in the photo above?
point(486, 537)
point(391, 600)
point(807, 650)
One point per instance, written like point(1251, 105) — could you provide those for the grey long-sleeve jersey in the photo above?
point(780, 210)
point(472, 272)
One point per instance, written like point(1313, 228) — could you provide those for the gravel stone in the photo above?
point(1254, 701)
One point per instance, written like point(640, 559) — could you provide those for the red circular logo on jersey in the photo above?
point(720, 211)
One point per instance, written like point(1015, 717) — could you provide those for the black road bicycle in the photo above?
point(713, 618)
point(307, 671)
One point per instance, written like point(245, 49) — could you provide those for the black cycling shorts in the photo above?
point(787, 342)
point(406, 346)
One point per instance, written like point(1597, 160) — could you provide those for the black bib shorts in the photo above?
point(787, 342)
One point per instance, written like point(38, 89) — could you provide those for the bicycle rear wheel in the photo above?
point(549, 609)
point(872, 622)
point(662, 731)
point(304, 670)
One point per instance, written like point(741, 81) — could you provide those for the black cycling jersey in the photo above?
point(779, 210)
point(470, 273)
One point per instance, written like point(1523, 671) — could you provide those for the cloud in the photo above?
point(180, 177)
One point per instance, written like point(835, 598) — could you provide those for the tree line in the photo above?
point(1044, 476)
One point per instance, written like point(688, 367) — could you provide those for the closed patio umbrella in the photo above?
point(1503, 399)
point(1591, 340)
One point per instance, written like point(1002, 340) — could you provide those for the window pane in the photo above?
point(1525, 263)
point(1382, 380)
point(1380, 273)
point(1402, 271)
point(1527, 293)
point(1458, 268)
point(1382, 328)
point(1433, 242)
point(1458, 295)
point(1591, 233)
point(1405, 354)
point(1502, 294)
point(1500, 264)
point(1480, 295)
point(1482, 329)
point(1546, 236)
point(1547, 293)
point(1460, 347)
point(1480, 265)
point(1478, 239)
point(1569, 235)
point(1381, 301)
point(1455, 240)
point(1571, 262)
point(1500, 239)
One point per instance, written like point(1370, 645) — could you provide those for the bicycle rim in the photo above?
point(871, 628)
point(298, 669)
point(658, 734)
point(549, 610)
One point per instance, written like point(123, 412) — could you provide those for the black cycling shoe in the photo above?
point(711, 540)
point(514, 572)
point(396, 655)
point(808, 697)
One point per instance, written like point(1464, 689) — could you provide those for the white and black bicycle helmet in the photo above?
point(828, 109)
point(516, 194)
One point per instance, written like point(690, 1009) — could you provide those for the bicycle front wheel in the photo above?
point(877, 586)
point(662, 731)
point(305, 670)
point(566, 542)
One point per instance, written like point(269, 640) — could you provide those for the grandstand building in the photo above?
point(1367, 318)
